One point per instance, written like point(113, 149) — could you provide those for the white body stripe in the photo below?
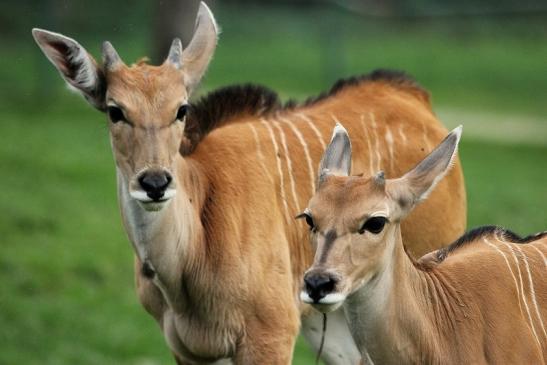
point(288, 162)
point(279, 169)
point(314, 129)
point(532, 291)
point(522, 290)
point(541, 254)
point(376, 143)
point(261, 157)
point(402, 134)
point(389, 140)
point(302, 141)
point(508, 265)
point(366, 135)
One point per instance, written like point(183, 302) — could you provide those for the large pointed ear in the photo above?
point(76, 66)
point(337, 157)
point(196, 57)
point(418, 183)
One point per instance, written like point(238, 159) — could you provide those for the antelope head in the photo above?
point(146, 105)
point(355, 220)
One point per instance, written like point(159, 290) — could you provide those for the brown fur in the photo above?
point(247, 240)
point(482, 299)
point(223, 257)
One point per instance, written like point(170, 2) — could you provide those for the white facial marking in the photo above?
point(169, 193)
point(279, 168)
point(140, 196)
point(329, 299)
point(332, 298)
point(143, 197)
point(306, 151)
point(288, 162)
point(314, 129)
point(304, 297)
point(261, 157)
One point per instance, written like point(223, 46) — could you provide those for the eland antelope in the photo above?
point(482, 299)
point(208, 191)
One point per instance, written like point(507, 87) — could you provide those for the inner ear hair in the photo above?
point(75, 65)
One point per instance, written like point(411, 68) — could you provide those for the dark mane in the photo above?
point(395, 78)
point(224, 105)
point(485, 231)
point(221, 106)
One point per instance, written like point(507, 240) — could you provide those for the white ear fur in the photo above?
point(337, 157)
point(196, 57)
point(74, 64)
point(418, 183)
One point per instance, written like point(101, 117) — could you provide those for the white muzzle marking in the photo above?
point(332, 298)
point(144, 198)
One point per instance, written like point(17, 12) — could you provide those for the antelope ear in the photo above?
point(196, 57)
point(337, 157)
point(74, 64)
point(418, 183)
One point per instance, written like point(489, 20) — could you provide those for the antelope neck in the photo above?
point(165, 241)
point(394, 315)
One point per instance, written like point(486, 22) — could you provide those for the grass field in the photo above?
point(66, 266)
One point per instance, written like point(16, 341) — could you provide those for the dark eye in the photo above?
point(115, 114)
point(181, 113)
point(309, 220)
point(374, 225)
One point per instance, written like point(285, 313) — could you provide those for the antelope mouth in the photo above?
point(153, 203)
point(328, 303)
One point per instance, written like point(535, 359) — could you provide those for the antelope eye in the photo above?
point(374, 225)
point(309, 220)
point(181, 113)
point(115, 114)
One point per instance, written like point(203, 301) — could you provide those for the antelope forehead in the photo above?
point(146, 79)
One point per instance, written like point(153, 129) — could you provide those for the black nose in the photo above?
point(155, 183)
point(318, 285)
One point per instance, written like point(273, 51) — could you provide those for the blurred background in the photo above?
point(66, 275)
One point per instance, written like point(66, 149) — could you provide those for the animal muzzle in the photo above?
point(319, 284)
point(155, 183)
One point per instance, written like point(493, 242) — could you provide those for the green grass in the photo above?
point(66, 266)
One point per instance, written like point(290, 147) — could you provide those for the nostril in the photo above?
point(319, 285)
point(169, 178)
point(155, 183)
